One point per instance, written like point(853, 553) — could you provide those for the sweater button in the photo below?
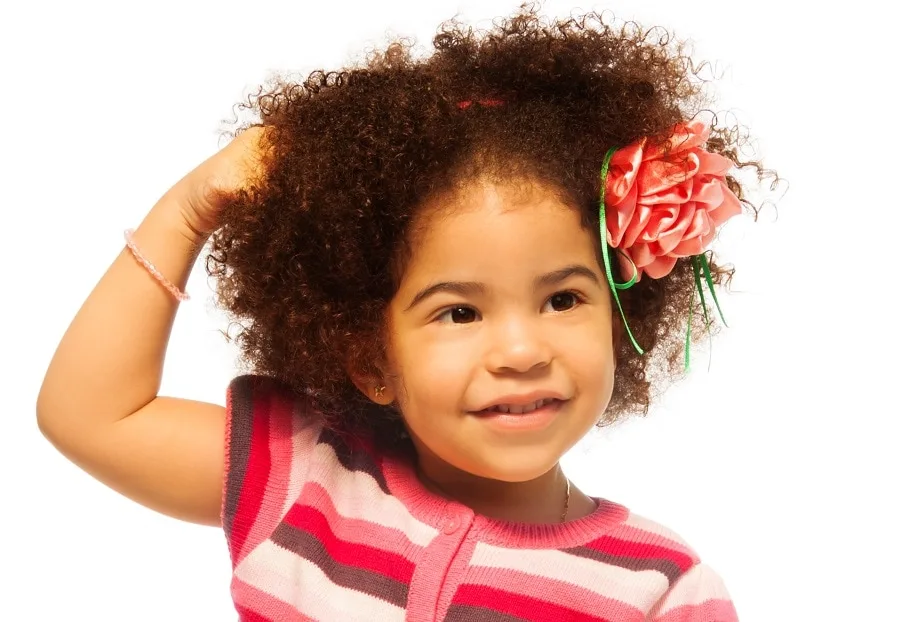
point(451, 525)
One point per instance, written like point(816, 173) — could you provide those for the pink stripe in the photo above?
point(715, 609)
point(459, 568)
point(254, 604)
point(559, 593)
point(428, 580)
point(355, 530)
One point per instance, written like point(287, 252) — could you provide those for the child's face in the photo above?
point(518, 311)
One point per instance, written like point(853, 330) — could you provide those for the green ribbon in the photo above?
point(613, 286)
point(702, 273)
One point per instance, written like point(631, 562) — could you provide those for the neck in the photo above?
point(540, 500)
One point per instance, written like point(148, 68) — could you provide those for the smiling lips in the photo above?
point(520, 409)
point(523, 403)
point(522, 414)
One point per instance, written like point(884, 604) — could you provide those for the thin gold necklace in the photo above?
point(566, 507)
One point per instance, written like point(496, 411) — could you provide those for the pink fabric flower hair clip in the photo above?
point(661, 203)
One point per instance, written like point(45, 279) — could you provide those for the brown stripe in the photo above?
point(307, 546)
point(665, 566)
point(245, 392)
point(240, 391)
point(472, 613)
point(354, 459)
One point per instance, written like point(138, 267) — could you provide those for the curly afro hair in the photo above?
point(307, 260)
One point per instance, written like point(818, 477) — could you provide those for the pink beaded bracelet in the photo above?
point(129, 240)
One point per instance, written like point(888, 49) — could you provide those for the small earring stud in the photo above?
point(379, 391)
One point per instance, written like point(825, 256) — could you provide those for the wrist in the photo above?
point(168, 242)
point(170, 216)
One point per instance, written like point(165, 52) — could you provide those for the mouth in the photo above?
point(521, 409)
point(522, 418)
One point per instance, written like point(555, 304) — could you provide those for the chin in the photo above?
point(512, 462)
point(512, 467)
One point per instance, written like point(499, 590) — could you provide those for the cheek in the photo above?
point(433, 351)
point(430, 375)
point(590, 358)
point(434, 380)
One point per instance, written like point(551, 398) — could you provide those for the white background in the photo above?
point(778, 464)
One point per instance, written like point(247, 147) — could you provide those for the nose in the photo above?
point(517, 346)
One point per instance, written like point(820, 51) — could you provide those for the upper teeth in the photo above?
point(518, 410)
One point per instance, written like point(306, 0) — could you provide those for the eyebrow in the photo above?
point(472, 288)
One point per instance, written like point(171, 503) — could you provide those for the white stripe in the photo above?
point(302, 584)
point(645, 524)
point(303, 442)
point(636, 588)
point(698, 585)
point(356, 495)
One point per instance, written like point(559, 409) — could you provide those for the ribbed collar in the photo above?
point(436, 511)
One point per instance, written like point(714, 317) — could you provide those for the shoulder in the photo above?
point(261, 415)
point(261, 412)
point(271, 433)
point(653, 535)
point(261, 409)
point(249, 391)
point(695, 592)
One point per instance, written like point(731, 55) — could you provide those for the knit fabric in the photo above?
point(320, 528)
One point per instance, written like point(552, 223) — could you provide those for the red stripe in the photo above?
point(250, 616)
point(640, 550)
point(259, 464)
point(630, 532)
point(525, 607)
point(370, 558)
point(585, 601)
point(357, 530)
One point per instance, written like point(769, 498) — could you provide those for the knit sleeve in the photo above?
point(269, 437)
point(699, 595)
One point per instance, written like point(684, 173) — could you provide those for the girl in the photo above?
point(447, 270)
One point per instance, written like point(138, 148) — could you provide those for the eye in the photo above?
point(563, 301)
point(458, 315)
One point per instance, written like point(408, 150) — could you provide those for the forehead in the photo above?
point(487, 229)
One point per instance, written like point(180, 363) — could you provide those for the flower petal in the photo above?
point(642, 255)
point(729, 207)
point(713, 163)
point(677, 230)
point(697, 237)
point(660, 267)
point(636, 226)
point(618, 217)
point(661, 175)
point(708, 192)
point(623, 171)
point(662, 218)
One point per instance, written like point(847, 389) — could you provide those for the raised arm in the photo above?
point(99, 402)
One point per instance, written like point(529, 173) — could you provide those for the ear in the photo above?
point(376, 389)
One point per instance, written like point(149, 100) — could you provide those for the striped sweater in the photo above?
point(322, 529)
